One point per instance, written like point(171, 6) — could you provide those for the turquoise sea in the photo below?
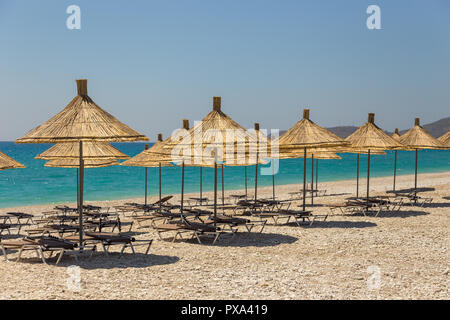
point(40, 185)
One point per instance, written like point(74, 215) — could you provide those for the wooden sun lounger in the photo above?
point(39, 245)
point(232, 223)
point(108, 239)
point(196, 230)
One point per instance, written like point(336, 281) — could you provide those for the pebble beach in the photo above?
point(401, 255)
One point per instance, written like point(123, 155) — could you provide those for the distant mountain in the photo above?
point(343, 131)
point(436, 129)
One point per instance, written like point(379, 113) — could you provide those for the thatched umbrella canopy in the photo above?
point(82, 120)
point(305, 134)
point(91, 151)
point(213, 137)
point(419, 138)
point(396, 135)
point(147, 159)
point(445, 139)
point(6, 162)
point(370, 137)
point(75, 163)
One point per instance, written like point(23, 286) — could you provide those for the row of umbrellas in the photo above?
point(82, 132)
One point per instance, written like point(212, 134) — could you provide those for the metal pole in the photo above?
point(245, 174)
point(182, 188)
point(160, 204)
point(415, 179)
point(146, 178)
point(357, 175)
point(273, 180)
point(312, 179)
point(256, 179)
point(368, 178)
point(304, 180)
point(223, 190)
point(317, 173)
point(215, 192)
point(146, 175)
point(201, 184)
point(395, 167)
point(80, 207)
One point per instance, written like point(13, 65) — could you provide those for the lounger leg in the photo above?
point(5, 255)
point(61, 253)
point(148, 247)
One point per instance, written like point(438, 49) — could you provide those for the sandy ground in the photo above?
point(394, 256)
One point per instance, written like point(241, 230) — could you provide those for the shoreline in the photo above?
point(377, 184)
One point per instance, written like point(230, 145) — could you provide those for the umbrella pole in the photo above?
point(256, 180)
point(223, 190)
point(215, 193)
point(78, 191)
point(245, 182)
point(368, 178)
point(80, 207)
point(273, 180)
point(415, 179)
point(201, 184)
point(160, 204)
point(312, 179)
point(182, 188)
point(317, 173)
point(357, 175)
point(395, 168)
point(146, 178)
point(304, 180)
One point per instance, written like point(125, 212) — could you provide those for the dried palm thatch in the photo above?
point(445, 139)
point(396, 135)
point(306, 134)
point(370, 136)
point(419, 138)
point(82, 120)
point(6, 162)
point(215, 130)
point(359, 151)
point(157, 154)
point(91, 151)
point(75, 163)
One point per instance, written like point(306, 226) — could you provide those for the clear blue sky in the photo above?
point(152, 63)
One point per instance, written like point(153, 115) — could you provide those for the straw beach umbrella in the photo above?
point(419, 138)
point(371, 138)
point(305, 134)
point(147, 159)
point(81, 121)
point(6, 162)
point(211, 139)
point(445, 139)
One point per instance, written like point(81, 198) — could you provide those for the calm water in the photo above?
point(40, 185)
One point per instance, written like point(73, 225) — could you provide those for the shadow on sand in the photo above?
point(402, 214)
point(100, 261)
point(245, 239)
point(436, 205)
point(337, 224)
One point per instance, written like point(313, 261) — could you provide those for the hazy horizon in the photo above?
point(153, 63)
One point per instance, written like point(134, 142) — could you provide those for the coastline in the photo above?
point(377, 184)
